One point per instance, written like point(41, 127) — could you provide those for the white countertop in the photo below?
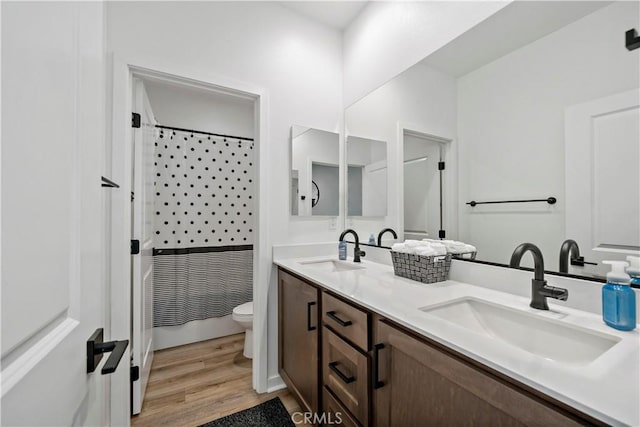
point(607, 388)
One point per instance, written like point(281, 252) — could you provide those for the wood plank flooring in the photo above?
point(197, 383)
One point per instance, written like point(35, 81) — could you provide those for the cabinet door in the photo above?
point(420, 385)
point(298, 338)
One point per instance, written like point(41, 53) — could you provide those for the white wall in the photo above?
point(260, 44)
point(423, 99)
point(511, 128)
point(389, 37)
point(190, 108)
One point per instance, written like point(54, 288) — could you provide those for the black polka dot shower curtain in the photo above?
point(203, 225)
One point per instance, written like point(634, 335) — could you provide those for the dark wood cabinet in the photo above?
point(344, 361)
point(298, 339)
point(419, 384)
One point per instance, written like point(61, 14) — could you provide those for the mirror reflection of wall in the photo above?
point(315, 172)
point(510, 90)
point(366, 177)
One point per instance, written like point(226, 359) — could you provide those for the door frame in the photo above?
point(120, 136)
point(449, 156)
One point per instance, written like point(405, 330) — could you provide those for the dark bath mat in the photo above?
point(271, 413)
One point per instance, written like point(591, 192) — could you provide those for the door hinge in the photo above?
point(441, 234)
point(135, 247)
point(135, 373)
point(135, 120)
point(440, 166)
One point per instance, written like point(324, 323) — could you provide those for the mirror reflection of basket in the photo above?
point(425, 269)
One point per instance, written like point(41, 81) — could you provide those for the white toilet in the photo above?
point(243, 314)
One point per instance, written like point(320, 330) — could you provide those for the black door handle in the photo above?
point(96, 348)
point(376, 366)
point(332, 315)
point(343, 377)
point(309, 305)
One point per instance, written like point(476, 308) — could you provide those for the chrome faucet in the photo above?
point(357, 253)
point(386, 230)
point(539, 289)
point(570, 252)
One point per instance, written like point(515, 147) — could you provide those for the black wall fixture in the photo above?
point(550, 200)
point(632, 41)
point(106, 182)
point(315, 194)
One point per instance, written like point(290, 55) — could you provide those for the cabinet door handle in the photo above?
point(332, 315)
point(376, 365)
point(343, 377)
point(309, 305)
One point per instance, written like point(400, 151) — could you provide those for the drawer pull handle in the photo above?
point(343, 377)
point(376, 362)
point(309, 305)
point(332, 315)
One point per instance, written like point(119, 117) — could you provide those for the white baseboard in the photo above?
point(275, 383)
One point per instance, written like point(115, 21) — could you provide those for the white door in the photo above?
point(144, 139)
point(602, 177)
point(53, 294)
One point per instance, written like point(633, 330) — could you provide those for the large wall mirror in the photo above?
point(315, 172)
point(535, 114)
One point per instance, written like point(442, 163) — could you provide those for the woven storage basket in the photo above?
point(425, 269)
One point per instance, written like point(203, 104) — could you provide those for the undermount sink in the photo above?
point(332, 265)
point(540, 336)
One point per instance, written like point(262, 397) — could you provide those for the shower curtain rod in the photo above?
point(204, 133)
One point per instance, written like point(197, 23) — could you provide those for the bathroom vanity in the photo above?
point(381, 350)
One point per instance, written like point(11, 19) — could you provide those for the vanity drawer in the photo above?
point(334, 411)
point(345, 372)
point(349, 321)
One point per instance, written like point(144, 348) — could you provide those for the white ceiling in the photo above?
point(336, 14)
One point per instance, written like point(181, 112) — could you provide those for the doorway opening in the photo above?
point(192, 218)
point(423, 186)
point(191, 156)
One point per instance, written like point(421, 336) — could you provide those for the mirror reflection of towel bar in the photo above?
point(550, 200)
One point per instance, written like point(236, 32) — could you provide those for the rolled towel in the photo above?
point(425, 251)
point(413, 243)
point(398, 247)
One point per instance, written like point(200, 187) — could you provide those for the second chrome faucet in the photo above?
point(540, 291)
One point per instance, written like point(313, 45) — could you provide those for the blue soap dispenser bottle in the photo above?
point(618, 299)
point(342, 250)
